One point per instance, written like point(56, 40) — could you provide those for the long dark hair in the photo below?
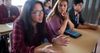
point(27, 21)
point(57, 11)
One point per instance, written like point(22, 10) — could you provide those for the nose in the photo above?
point(62, 7)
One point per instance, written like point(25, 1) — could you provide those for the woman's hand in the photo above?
point(66, 18)
point(45, 49)
point(65, 15)
point(61, 40)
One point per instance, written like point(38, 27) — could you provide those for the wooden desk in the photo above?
point(5, 28)
point(83, 44)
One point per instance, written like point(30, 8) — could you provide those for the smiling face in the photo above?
point(62, 6)
point(37, 13)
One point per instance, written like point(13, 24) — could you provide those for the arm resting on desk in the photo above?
point(87, 26)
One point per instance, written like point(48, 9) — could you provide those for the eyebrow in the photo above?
point(38, 9)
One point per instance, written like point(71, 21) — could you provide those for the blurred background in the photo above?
point(91, 8)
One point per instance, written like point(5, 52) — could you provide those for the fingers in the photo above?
point(66, 40)
point(47, 46)
point(65, 15)
point(62, 40)
point(62, 36)
point(46, 49)
point(59, 36)
point(49, 51)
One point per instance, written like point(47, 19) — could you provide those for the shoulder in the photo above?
point(2, 6)
point(54, 21)
point(55, 18)
point(13, 7)
point(18, 22)
point(51, 18)
point(71, 11)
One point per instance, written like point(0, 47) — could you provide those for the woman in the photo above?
point(60, 20)
point(29, 30)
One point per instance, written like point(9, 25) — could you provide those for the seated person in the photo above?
point(29, 30)
point(8, 13)
point(76, 17)
point(58, 22)
point(47, 7)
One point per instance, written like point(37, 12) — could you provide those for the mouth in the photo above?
point(62, 11)
point(40, 19)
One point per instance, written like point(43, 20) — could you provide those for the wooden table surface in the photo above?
point(83, 44)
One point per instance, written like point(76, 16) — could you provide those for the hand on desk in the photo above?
point(88, 26)
point(45, 49)
point(61, 40)
point(94, 27)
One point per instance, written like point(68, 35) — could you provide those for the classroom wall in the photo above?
point(0, 2)
point(91, 11)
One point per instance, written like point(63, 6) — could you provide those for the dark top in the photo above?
point(76, 21)
point(5, 17)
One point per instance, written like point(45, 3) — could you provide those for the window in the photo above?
point(18, 2)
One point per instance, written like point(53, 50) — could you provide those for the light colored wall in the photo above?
point(0, 2)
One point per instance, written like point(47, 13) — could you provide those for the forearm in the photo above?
point(89, 26)
point(71, 25)
point(63, 27)
point(37, 50)
point(84, 26)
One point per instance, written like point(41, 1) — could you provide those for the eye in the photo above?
point(41, 11)
point(64, 5)
point(33, 12)
point(37, 12)
point(60, 5)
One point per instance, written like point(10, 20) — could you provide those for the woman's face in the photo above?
point(37, 13)
point(62, 6)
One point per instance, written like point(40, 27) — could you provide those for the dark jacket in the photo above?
point(72, 18)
